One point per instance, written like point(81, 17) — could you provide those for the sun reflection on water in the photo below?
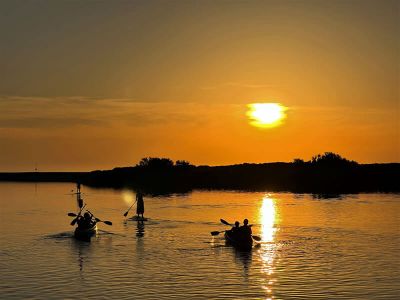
point(268, 217)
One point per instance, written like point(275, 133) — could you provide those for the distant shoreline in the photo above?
point(298, 177)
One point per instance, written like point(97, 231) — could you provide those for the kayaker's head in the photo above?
point(86, 215)
point(237, 224)
point(245, 221)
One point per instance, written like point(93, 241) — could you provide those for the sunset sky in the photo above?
point(97, 84)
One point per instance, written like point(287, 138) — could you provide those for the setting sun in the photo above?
point(266, 115)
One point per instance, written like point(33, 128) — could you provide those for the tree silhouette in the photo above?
point(298, 161)
point(183, 163)
point(155, 163)
point(331, 159)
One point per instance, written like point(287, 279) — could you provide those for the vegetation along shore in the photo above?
point(328, 173)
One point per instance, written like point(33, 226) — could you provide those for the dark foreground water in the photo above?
point(314, 248)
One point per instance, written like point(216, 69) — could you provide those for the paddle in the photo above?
point(80, 202)
point(225, 222)
point(105, 222)
point(255, 237)
point(214, 233)
point(125, 214)
point(76, 219)
point(98, 220)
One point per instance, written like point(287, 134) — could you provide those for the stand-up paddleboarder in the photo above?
point(140, 205)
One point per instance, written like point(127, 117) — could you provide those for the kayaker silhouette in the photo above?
point(235, 229)
point(245, 229)
point(85, 221)
point(140, 204)
point(239, 237)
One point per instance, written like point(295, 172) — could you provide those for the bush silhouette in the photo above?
point(331, 159)
point(155, 163)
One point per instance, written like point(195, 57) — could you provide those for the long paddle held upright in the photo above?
point(125, 214)
point(77, 217)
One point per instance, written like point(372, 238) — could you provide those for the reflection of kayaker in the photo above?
point(140, 205)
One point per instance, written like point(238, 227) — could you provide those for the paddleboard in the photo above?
point(136, 218)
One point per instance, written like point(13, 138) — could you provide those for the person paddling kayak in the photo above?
point(140, 204)
point(246, 229)
point(235, 229)
point(85, 222)
point(86, 227)
point(240, 237)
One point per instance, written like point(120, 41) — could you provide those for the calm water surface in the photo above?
point(314, 248)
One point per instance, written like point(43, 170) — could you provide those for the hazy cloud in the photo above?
point(63, 112)
point(45, 122)
point(238, 85)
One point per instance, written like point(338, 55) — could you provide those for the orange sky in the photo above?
point(94, 85)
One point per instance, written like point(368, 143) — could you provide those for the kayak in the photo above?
point(85, 234)
point(241, 243)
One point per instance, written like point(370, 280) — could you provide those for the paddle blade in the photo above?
point(256, 238)
point(72, 214)
point(224, 222)
point(107, 222)
point(74, 221)
point(213, 233)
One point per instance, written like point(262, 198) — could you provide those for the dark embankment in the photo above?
point(328, 174)
point(272, 177)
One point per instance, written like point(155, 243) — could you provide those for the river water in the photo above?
point(313, 247)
